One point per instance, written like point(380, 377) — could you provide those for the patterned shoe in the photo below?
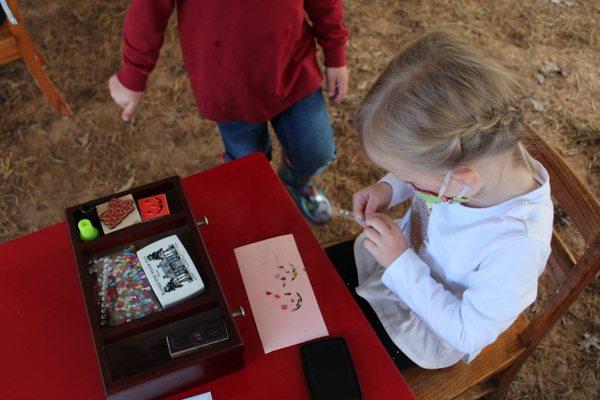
point(311, 201)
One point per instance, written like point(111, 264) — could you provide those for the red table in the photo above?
point(46, 344)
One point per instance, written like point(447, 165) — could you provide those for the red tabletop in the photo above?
point(46, 344)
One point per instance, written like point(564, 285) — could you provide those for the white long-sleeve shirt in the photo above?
point(477, 271)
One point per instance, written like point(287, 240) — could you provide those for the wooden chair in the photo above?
point(490, 374)
point(15, 43)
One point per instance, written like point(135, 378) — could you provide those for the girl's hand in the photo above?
point(372, 199)
point(384, 240)
point(127, 99)
point(337, 83)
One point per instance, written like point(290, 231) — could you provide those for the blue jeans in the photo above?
point(304, 131)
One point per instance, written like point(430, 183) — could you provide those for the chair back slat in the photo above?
point(561, 260)
point(564, 295)
point(570, 276)
point(568, 190)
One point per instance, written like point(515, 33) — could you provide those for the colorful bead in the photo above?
point(124, 292)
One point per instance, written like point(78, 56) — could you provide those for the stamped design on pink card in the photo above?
point(285, 275)
point(282, 300)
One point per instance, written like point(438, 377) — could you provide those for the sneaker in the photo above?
point(311, 201)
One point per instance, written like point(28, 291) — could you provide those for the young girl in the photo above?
point(447, 279)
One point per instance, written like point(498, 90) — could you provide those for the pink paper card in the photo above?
point(283, 303)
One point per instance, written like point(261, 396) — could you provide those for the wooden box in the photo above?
point(133, 357)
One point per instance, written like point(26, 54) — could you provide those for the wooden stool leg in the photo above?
point(34, 64)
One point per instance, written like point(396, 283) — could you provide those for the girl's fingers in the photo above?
point(372, 235)
point(386, 219)
point(369, 245)
point(359, 201)
point(371, 207)
point(378, 223)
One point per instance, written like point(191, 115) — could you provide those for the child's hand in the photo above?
point(384, 240)
point(372, 199)
point(125, 98)
point(337, 83)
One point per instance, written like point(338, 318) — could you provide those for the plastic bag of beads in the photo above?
point(122, 289)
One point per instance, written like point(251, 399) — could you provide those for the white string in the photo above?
point(463, 191)
point(445, 184)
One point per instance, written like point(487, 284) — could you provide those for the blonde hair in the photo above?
point(442, 103)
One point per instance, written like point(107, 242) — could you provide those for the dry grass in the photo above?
point(48, 163)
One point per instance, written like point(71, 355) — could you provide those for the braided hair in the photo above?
point(442, 103)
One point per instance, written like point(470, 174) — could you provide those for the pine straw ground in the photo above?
point(48, 163)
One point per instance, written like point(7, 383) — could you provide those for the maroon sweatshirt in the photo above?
point(246, 59)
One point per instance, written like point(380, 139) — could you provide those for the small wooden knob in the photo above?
point(202, 221)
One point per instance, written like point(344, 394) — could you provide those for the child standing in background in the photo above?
point(250, 62)
point(458, 269)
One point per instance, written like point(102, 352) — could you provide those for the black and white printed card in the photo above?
point(170, 270)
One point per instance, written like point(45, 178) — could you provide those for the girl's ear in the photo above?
point(465, 177)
